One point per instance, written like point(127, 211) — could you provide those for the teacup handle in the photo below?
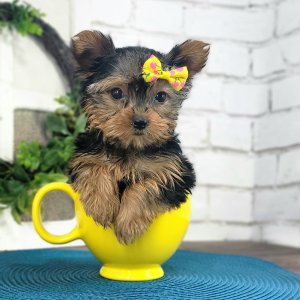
point(36, 213)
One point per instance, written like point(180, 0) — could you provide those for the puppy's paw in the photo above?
point(103, 212)
point(127, 230)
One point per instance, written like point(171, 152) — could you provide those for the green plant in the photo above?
point(36, 165)
point(20, 17)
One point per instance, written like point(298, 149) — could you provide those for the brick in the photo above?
point(282, 234)
point(267, 60)
point(207, 231)
point(228, 59)
point(114, 12)
point(289, 167)
point(192, 130)
point(224, 23)
point(57, 14)
point(286, 93)
point(206, 94)
point(239, 3)
point(34, 100)
point(124, 39)
point(230, 133)
point(191, 154)
point(265, 170)
point(245, 99)
point(162, 44)
point(277, 130)
point(227, 205)
point(29, 125)
point(199, 204)
point(151, 16)
point(262, 2)
point(288, 16)
point(6, 122)
point(224, 169)
point(6, 56)
point(290, 47)
point(81, 16)
point(277, 204)
point(29, 58)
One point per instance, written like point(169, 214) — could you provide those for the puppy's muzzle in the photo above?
point(139, 123)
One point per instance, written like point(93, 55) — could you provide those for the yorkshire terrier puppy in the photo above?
point(128, 166)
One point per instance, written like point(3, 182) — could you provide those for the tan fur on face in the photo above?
point(119, 126)
point(114, 117)
point(108, 83)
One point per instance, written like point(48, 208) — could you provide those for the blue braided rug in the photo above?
point(68, 274)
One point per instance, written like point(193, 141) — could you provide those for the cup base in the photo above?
point(131, 272)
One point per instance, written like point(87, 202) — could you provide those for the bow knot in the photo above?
point(152, 70)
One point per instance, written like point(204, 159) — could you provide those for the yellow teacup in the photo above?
point(138, 261)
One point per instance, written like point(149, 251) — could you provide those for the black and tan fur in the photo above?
point(126, 176)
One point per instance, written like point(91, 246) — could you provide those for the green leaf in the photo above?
point(21, 202)
point(2, 208)
point(29, 155)
point(7, 200)
point(19, 173)
point(16, 215)
point(80, 124)
point(14, 187)
point(36, 165)
point(5, 168)
point(22, 18)
point(44, 178)
point(50, 160)
point(57, 124)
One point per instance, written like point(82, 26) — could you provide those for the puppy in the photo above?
point(128, 166)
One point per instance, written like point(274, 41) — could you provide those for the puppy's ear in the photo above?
point(191, 53)
point(89, 45)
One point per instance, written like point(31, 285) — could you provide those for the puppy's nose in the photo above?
point(139, 123)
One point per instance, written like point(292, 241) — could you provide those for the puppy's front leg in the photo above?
point(139, 206)
point(99, 194)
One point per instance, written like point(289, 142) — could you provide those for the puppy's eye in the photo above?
point(117, 93)
point(161, 97)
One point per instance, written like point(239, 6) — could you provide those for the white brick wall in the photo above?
point(224, 169)
point(265, 170)
point(288, 16)
point(286, 93)
point(230, 24)
point(290, 48)
point(149, 15)
point(245, 99)
point(206, 95)
point(120, 10)
point(282, 233)
point(277, 130)
point(267, 60)
point(230, 133)
point(228, 59)
point(241, 125)
point(231, 206)
point(289, 167)
point(277, 204)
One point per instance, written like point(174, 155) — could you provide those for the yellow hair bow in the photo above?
point(152, 70)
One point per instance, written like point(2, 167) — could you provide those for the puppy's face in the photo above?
point(117, 100)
